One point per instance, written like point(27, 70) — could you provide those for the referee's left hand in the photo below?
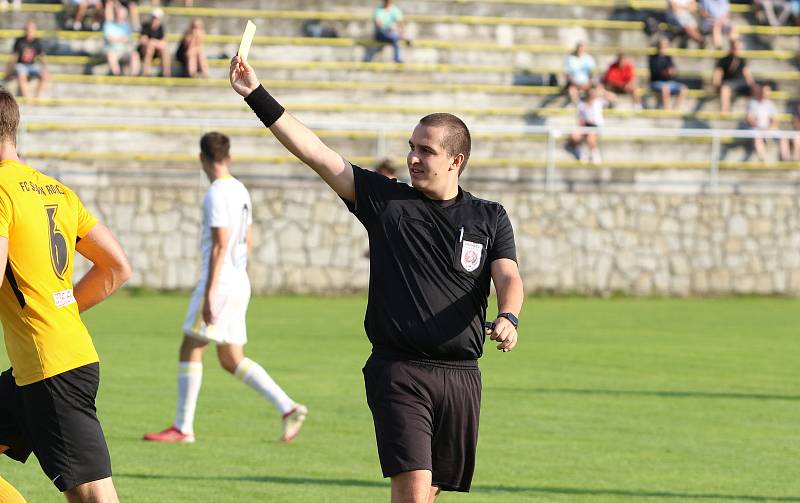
point(504, 333)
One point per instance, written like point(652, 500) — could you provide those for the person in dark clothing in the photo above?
point(732, 77)
point(662, 77)
point(152, 43)
point(191, 52)
point(434, 251)
point(27, 62)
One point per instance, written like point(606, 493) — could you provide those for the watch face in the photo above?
point(510, 317)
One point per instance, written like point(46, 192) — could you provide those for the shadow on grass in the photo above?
point(576, 491)
point(654, 393)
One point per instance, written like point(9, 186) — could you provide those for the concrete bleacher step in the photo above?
point(222, 106)
point(524, 8)
point(428, 51)
point(424, 94)
point(328, 71)
point(503, 29)
point(286, 166)
point(108, 141)
point(565, 32)
point(562, 13)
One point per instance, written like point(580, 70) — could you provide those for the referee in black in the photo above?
point(433, 250)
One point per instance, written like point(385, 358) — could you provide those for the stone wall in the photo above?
point(589, 243)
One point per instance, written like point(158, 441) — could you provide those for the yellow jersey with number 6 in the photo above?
point(43, 220)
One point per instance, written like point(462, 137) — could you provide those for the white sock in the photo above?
point(190, 377)
point(257, 378)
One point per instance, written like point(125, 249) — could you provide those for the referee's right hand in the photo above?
point(243, 78)
point(504, 332)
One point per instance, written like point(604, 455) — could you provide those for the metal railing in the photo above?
point(552, 134)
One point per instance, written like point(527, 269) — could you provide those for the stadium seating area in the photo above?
point(496, 63)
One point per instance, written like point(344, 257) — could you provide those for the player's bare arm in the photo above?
point(219, 247)
point(110, 267)
point(508, 284)
point(249, 240)
point(297, 138)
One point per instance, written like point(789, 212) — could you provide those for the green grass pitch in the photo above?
point(603, 401)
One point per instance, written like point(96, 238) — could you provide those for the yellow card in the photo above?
point(247, 40)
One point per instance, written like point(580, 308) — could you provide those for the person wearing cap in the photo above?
point(152, 42)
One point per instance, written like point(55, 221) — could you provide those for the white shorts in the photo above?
point(230, 307)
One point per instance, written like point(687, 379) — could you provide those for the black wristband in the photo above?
point(265, 106)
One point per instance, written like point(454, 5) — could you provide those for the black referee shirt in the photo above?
point(429, 268)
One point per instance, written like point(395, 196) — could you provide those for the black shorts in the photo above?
point(426, 417)
point(738, 86)
point(56, 419)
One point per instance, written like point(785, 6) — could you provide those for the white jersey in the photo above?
point(227, 204)
point(592, 113)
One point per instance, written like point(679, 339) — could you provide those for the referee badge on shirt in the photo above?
point(471, 255)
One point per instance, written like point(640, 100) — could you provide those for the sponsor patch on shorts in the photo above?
point(64, 298)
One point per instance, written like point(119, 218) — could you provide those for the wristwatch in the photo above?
point(510, 317)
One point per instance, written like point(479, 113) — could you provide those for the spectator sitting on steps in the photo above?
point(662, 77)
point(118, 37)
point(152, 43)
point(82, 7)
point(762, 116)
point(191, 53)
point(27, 62)
point(590, 115)
point(731, 77)
point(715, 18)
point(579, 68)
point(132, 7)
point(389, 26)
point(621, 78)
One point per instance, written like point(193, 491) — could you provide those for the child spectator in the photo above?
point(579, 68)
point(662, 77)
point(190, 51)
point(27, 62)
point(620, 78)
point(732, 77)
point(762, 116)
point(681, 14)
point(590, 115)
point(152, 43)
point(389, 26)
point(715, 20)
point(118, 37)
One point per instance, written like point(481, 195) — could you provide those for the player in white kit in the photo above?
point(219, 302)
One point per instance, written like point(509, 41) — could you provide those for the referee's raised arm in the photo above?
point(296, 137)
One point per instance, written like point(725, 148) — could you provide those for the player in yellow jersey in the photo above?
point(47, 398)
point(8, 494)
